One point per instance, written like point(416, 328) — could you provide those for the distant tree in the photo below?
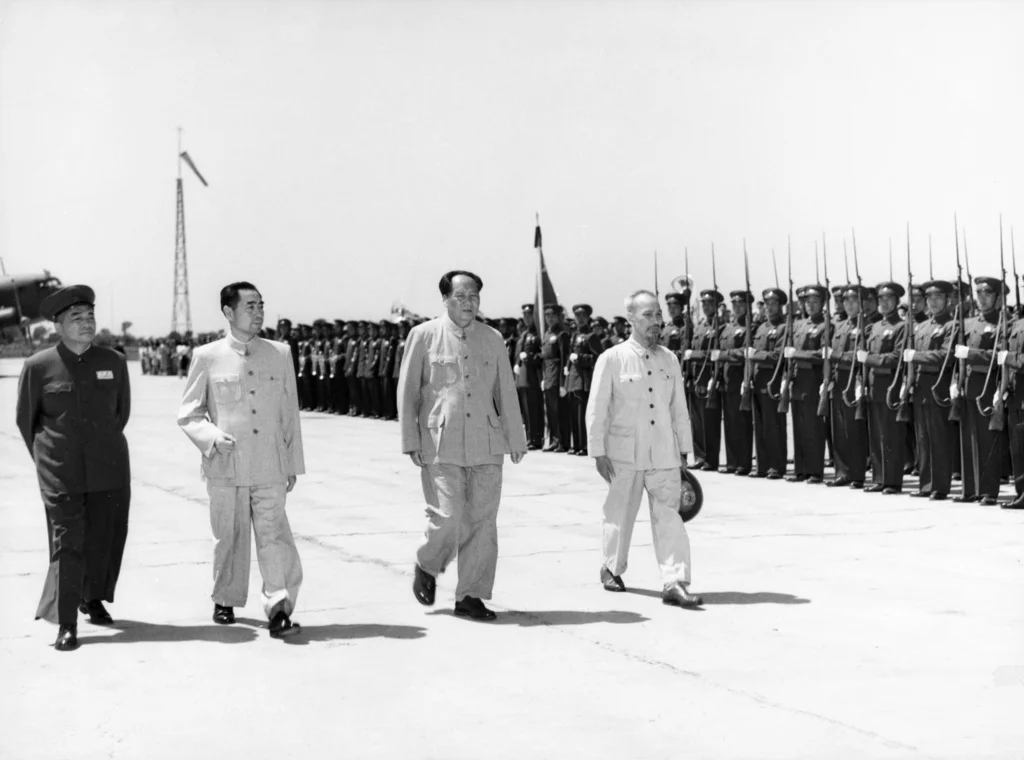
point(104, 337)
point(125, 327)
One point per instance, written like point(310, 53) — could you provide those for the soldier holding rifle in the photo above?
point(739, 432)
point(770, 439)
point(706, 416)
point(810, 337)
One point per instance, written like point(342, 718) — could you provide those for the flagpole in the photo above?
point(538, 308)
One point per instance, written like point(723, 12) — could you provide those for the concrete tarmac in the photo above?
point(836, 624)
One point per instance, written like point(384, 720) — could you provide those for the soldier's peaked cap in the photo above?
point(776, 293)
point(555, 308)
point(527, 307)
point(939, 286)
point(678, 298)
point(992, 284)
point(891, 289)
point(859, 290)
point(741, 295)
point(815, 290)
point(61, 300)
point(284, 321)
point(839, 289)
point(710, 294)
point(584, 307)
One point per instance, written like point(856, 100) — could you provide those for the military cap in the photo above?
point(678, 298)
point(320, 322)
point(838, 290)
point(861, 291)
point(384, 323)
point(601, 321)
point(555, 308)
point(938, 286)
point(284, 321)
point(740, 295)
point(61, 300)
point(965, 288)
point(528, 307)
point(814, 290)
point(991, 284)
point(619, 321)
point(891, 289)
point(917, 290)
point(339, 323)
point(584, 307)
point(710, 294)
point(776, 293)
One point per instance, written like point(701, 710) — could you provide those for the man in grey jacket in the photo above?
point(459, 414)
point(240, 408)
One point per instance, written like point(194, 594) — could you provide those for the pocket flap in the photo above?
point(628, 377)
point(495, 421)
point(435, 420)
point(58, 387)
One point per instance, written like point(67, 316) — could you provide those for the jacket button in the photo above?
point(254, 411)
point(648, 372)
point(468, 414)
point(651, 390)
point(250, 373)
point(652, 422)
point(652, 406)
point(255, 431)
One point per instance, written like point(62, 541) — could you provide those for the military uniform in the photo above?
point(585, 347)
point(353, 364)
point(71, 411)
point(706, 408)
point(849, 431)
point(739, 424)
point(1014, 361)
point(770, 434)
point(385, 371)
point(806, 376)
point(935, 432)
point(887, 435)
point(554, 354)
point(528, 371)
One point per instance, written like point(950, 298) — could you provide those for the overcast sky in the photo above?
point(357, 150)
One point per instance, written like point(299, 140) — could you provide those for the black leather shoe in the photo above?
point(876, 488)
point(964, 499)
point(97, 613)
point(838, 482)
point(756, 474)
point(583, 453)
point(936, 496)
point(532, 447)
point(281, 626)
point(560, 450)
point(956, 476)
point(678, 596)
point(424, 586)
point(891, 490)
point(551, 447)
point(611, 582)
point(67, 638)
point(815, 480)
point(856, 485)
point(699, 465)
point(473, 608)
point(988, 501)
point(741, 472)
point(796, 478)
point(729, 470)
point(774, 475)
point(1017, 503)
point(223, 615)
point(571, 452)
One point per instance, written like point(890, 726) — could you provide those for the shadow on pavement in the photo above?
point(733, 597)
point(133, 632)
point(341, 632)
point(532, 618)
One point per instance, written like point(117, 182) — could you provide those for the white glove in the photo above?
point(687, 354)
point(1001, 357)
point(750, 352)
point(573, 356)
point(522, 355)
point(995, 398)
point(715, 353)
point(862, 356)
point(954, 391)
point(961, 351)
point(565, 371)
point(789, 352)
point(826, 352)
point(908, 354)
point(515, 370)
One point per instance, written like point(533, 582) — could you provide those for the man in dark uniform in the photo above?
point(982, 448)
point(73, 404)
point(849, 434)
point(602, 332)
point(286, 335)
point(585, 347)
point(528, 372)
point(739, 425)
point(919, 307)
point(339, 388)
point(554, 355)
point(935, 432)
point(887, 436)
point(770, 435)
point(353, 361)
point(706, 410)
point(403, 334)
point(618, 333)
point(385, 371)
point(1013, 359)
point(806, 374)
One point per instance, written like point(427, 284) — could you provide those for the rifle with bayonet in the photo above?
point(747, 388)
point(714, 345)
point(1016, 280)
point(904, 370)
point(958, 387)
point(824, 397)
point(857, 380)
point(785, 394)
point(998, 409)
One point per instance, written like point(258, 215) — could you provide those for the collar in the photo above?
point(70, 356)
point(991, 317)
point(240, 348)
point(637, 346)
point(893, 318)
point(459, 331)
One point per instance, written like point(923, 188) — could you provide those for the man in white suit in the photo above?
point(638, 430)
point(240, 409)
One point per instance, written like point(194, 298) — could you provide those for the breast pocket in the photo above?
point(444, 370)
point(227, 389)
point(57, 398)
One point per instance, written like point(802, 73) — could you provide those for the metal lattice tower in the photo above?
point(181, 314)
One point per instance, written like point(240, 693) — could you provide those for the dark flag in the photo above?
point(544, 291)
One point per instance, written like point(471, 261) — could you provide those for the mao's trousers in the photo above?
point(87, 534)
point(462, 519)
point(671, 544)
point(232, 509)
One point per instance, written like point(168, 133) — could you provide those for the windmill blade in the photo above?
point(192, 166)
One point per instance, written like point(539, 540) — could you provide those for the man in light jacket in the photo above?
point(639, 433)
point(459, 414)
point(241, 410)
